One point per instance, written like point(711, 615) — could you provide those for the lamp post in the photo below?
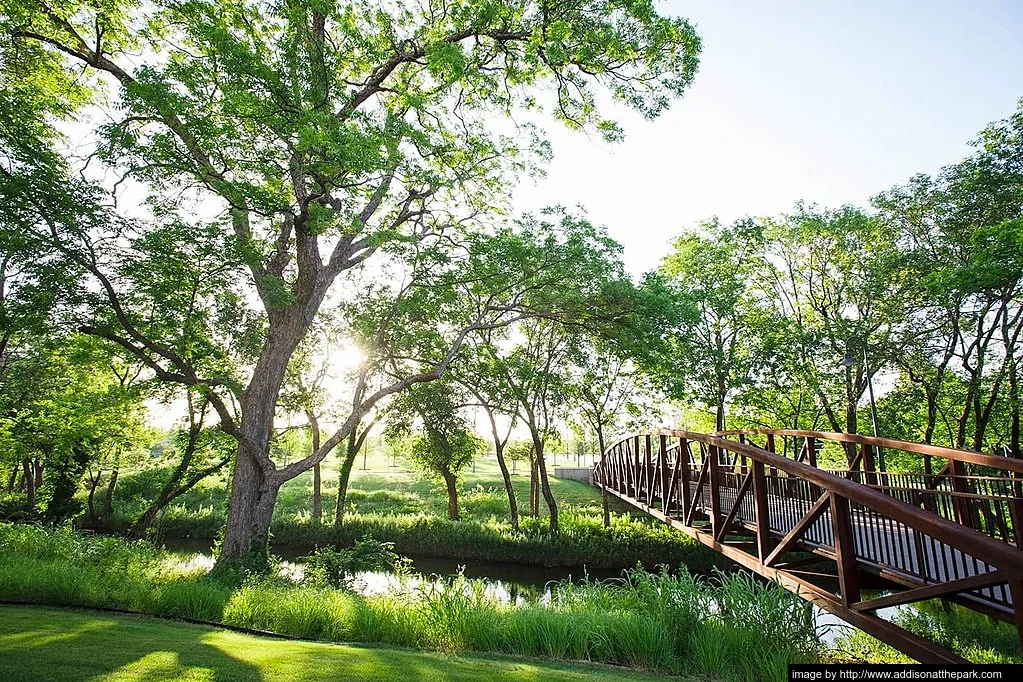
point(850, 361)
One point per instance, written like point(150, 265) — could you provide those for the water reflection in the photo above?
point(507, 583)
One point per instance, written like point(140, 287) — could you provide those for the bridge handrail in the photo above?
point(968, 456)
point(987, 549)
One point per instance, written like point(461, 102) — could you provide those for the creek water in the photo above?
point(509, 583)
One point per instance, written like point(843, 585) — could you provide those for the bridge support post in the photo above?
point(683, 464)
point(715, 490)
point(662, 462)
point(845, 551)
point(764, 541)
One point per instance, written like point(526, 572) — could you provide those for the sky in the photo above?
point(828, 102)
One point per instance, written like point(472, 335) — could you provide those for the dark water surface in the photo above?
point(526, 576)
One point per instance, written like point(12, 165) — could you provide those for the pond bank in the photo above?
point(581, 541)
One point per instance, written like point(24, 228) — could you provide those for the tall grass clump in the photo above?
point(61, 566)
point(730, 628)
point(459, 615)
point(272, 605)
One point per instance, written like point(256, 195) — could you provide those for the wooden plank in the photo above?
point(931, 591)
point(797, 531)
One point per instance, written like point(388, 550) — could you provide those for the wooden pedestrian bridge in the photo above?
point(761, 498)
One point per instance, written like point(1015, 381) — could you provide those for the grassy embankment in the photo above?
point(736, 629)
point(393, 504)
point(58, 645)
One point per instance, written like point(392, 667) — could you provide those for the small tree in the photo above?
point(435, 437)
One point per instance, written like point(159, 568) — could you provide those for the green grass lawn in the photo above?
point(393, 503)
point(388, 486)
point(67, 644)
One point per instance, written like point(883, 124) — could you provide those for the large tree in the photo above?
point(315, 135)
point(716, 353)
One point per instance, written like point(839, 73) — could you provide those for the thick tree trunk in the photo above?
point(38, 467)
point(108, 498)
point(253, 496)
point(256, 484)
point(545, 485)
point(30, 482)
point(534, 487)
point(13, 480)
point(513, 507)
point(452, 486)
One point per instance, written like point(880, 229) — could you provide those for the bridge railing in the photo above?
point(927, 532)
point(982, 492)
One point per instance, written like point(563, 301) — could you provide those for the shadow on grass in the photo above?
point(61, 644)
point(65, 644)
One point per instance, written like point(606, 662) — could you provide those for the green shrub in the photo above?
point(329, 567)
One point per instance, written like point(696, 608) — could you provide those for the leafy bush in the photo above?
point(336, 568)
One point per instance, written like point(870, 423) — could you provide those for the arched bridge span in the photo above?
point(766, 498)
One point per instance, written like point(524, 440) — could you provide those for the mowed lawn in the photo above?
point(68, 644)
point(391, 486)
